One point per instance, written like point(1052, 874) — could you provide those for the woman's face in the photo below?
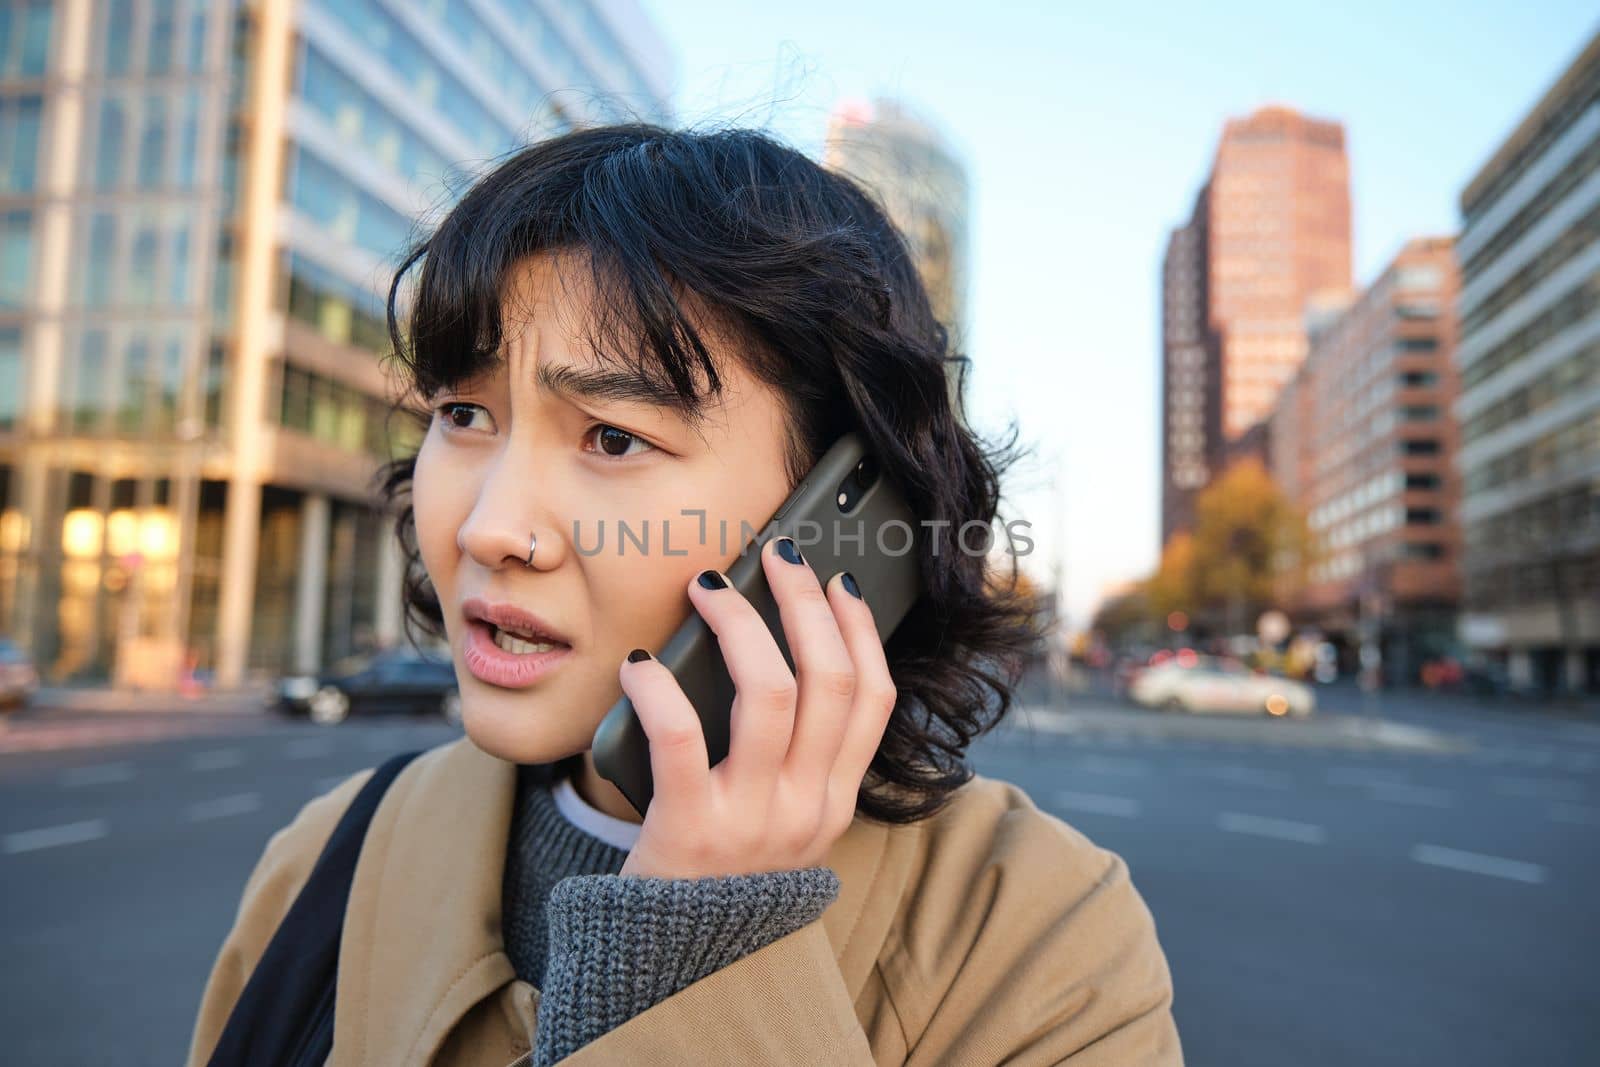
point(531, 448)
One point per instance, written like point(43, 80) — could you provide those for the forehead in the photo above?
point(570, 340)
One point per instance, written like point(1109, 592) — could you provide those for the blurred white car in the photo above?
point(1204, 684)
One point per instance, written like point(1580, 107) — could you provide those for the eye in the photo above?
point(452, 412)
point(614, 443)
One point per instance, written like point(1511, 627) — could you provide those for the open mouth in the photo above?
point(520, 644)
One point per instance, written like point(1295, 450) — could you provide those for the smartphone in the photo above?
point(846, 515)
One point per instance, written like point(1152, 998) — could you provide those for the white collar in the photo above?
point(618, 833)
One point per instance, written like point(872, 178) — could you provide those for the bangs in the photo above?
point(605, 211)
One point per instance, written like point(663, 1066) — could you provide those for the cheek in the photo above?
point(436, 513)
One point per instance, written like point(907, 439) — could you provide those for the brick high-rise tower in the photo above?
point(1270, 229)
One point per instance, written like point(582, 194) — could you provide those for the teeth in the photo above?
point(517, 646)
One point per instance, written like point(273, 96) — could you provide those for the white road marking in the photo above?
point(1537, 788)
point(1098, 804)
point(1421, 795)
point(223, 807)
point(1253, 776)
point(1111, 765)
point(72, 833)
point(1282, 829)
point(216, 759)
point(308, 748)
point(1477, 863)
point(1576, 814)
point(96, 774)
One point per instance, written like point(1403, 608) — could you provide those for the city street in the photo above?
point(1326, 894)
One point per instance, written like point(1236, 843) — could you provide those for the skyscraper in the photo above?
point(906, 163)
point(202, 204)
point(1530, 404)
point(1269, 231)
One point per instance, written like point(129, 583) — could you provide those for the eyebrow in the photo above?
point(611, 386)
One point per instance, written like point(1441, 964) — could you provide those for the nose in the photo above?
point(498, 531)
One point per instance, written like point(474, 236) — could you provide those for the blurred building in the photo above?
point(202, 204)
point(1271, 230)
point(1529, 360)
point(905, 162)
point(1191, 394)
point(1363, 441)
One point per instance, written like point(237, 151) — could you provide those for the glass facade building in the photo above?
point(201, 205)
point(922, 184)
point(1529, 360)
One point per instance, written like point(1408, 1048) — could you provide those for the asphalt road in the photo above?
point(1323, 898)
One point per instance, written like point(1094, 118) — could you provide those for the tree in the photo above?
point(1173, 587)
point(1247, 533)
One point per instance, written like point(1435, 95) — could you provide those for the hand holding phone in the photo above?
point(756, 661)
point(801, 742)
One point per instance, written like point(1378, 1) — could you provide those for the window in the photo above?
point(118, 35)
point(1422, 550)
point(135, 375)
point(16, 259)
point(153, 142)
point(1418, 309)
point(24, 39)
point(108, 146)
point(96, 277)
point(1419, 412)
point(19, 142)
point(216, 378)
point(1423, 517)
point(1422, 481)
point(10, 376)
point(1422, 446)
point(1417, 379)
point(88, 389)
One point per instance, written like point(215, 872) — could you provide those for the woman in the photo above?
point(665, 329)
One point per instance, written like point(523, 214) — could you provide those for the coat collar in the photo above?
point(422, 942)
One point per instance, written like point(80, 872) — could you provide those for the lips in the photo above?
point(513, 619)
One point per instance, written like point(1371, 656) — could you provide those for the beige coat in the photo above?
point(991, 932)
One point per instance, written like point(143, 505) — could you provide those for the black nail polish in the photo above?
point(713, 580)
point(638, 654)
point(789, 550)
point(848, 580)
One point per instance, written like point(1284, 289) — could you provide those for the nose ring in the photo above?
point(533, 543)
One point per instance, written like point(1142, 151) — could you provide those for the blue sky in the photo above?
point(1087, 129)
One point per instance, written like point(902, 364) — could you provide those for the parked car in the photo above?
point(1206, 684)
point(18, 679)
point(393, 680)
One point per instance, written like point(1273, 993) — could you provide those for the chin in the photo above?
point(513, 734)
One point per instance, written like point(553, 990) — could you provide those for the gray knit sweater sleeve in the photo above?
point(619, 945)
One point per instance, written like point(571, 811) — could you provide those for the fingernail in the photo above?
point(713, 580)
point(637, 654)
point(789, 550)
point(848, 580)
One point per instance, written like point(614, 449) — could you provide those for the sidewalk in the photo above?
point(245, 700)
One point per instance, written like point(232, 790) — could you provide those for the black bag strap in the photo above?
point(284, 1016)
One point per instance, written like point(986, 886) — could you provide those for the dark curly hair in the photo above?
point(801, 266)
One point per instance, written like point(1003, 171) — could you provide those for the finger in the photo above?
point(763, 705)
point(823, 667)
point(875, 694)
point(679, 764)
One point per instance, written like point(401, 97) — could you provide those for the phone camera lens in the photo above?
point(867, 472)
